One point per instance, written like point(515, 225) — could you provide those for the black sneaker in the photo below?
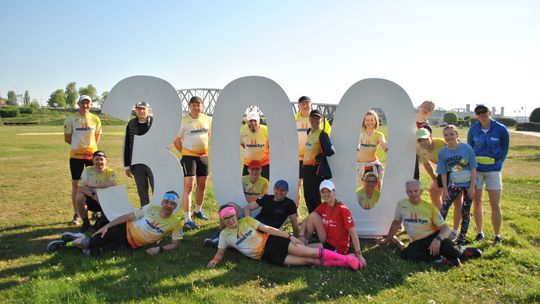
point(497, 240)
point(479, 236)
point(208, 242)
point(461, 241)
point(471, 253)
point(71, 236)
point(56, 245)
point(85, 226)
point(456, 262)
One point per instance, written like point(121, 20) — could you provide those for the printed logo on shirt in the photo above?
point(254, 144)
point(197, 128)
point(413, 218)
point(244, 237)
point(303, 127)
point(154, 226)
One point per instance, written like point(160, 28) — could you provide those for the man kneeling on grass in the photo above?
point(427, 230)
point(146, 226)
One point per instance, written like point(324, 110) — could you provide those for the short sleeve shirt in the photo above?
point(425, 156)
point(336, 222)
point(256, 145)
point(194, 135)
point(83, 130)
point(274, 213)
point(150, 227)
point(365, 201)
point(313, 147)
point(367, 148)
point(456, 162)
point(91, 178)
point(245, 238)
point(253, 191)
point(420, 220)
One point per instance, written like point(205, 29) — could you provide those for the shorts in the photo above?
point(300, 171)
point(325, 245)
point(92, 204)
point(276, 250)
point(493, 180)
point(194, 165)
point(76, 166)
point(439, 181)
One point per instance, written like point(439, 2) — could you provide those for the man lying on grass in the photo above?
point(146, 226)
point(427, 230)
point(261, 242)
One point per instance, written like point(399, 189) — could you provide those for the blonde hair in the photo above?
point(453, 128)
point(371, 113)
point(428, 103)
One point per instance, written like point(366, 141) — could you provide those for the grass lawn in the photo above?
point(35, 204)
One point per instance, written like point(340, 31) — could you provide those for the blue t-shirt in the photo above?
point(458, 162)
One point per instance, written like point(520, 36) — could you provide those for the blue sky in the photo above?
point(454, 52)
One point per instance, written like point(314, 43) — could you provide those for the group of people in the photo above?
point(325, 235)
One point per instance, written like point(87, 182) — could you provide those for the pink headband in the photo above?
point(226, 211)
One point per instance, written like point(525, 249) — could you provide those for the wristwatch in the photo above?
point(438, 238)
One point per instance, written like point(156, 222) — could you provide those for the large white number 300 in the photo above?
point(151, 148)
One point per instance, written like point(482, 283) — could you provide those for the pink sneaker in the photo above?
point(352, 261)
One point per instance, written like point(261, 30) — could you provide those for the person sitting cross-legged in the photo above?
point(427, 230)
point(146, 226)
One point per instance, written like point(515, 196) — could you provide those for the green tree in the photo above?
point(71, 94)
point(102, 98)
point(57, 99)
point(11, 98)
point(450, 117)
point(535, 115)
point(26, 98)
point(34, 104)
point(89, 90)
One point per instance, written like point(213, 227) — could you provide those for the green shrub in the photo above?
point(535, 115)
point(509, 122)
point(9, 112)
point(26, 110)
point(528, 126)
point(450, 118)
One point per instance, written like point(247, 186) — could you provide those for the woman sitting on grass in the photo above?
point(261, 242)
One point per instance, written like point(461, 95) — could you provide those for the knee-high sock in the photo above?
point(330, 258)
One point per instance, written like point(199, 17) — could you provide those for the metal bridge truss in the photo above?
point(210, 97)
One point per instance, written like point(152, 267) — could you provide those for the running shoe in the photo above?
point(456, 262)
point(461, 241)
point(56, 245)
point(71, 236)
point(76, 221)
point(190, 225)
point(471, 253)
point(208, 242)
point(497, 240)
point(200, 215)
point(479, 236)
point(452, 236)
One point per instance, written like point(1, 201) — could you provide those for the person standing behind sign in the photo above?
point(490, 141)
point(315, 165)
point(424, 111)
point(192, 142)
point(143, 175)
point(370, 140)
point(82, 131)
point(254, 141)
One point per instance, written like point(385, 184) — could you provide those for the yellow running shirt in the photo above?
point(150, 227)
point(256, 145)
point(366, 202)
point(367, 148)
point(313, 147)
point(194, 135)
point(253, 191)
point(83, 130)
point(302, 125)
point(425, 156)
point(244, 238)
point(92, 179)
point(419, 221)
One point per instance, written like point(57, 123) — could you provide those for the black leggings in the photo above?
point(419, 249)
point(115, 238)
point(453, 192)
point(312, 195)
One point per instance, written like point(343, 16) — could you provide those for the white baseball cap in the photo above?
point(328, 184)
point(84, 97)
point(253, 116)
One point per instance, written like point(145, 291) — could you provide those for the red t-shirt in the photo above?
point(336, 221)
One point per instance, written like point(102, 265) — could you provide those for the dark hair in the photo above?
point(99, 153)
point(229, 204)
point(303, 98)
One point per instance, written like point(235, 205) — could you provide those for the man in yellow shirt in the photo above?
point(93, 177)
point(427, 230)
point(254, 141)
point(255, 186)
point(192, 142)
point(368, 195)
point(427, 149)
point(82, 131)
